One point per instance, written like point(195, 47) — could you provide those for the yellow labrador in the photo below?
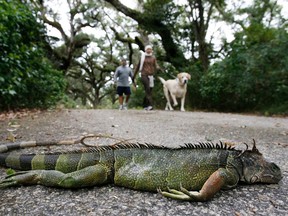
point(177, 89)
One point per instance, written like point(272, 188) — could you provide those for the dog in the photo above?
point(175, 88)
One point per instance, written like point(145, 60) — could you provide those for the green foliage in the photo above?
point(193, 96)
point(253, 77)
point(10, 171)
point(164, 10)
point(27, 79)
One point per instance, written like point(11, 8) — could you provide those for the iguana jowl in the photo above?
point(194, 172)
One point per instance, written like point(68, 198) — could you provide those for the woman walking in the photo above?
point(147, 66)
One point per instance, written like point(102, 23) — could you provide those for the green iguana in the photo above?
point(194, 172)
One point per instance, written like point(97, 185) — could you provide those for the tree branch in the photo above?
point(154, 24)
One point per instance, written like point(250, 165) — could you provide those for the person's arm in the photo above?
point(136, 72)
point(157, 67)
point(133, 81)
point(131, 75)
point(115, 76)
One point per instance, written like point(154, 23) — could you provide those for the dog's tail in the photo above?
point(162, 80)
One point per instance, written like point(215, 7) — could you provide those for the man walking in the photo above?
point(121, 76)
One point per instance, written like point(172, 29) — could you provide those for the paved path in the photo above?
point(158, 127)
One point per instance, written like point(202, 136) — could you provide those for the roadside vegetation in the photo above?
point(50, 58)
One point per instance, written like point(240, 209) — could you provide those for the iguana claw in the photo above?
point(17, 178)
point(183, 194)
point(7, 182)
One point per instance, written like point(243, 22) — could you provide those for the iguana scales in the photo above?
point(194, 172)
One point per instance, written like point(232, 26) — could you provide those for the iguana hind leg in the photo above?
point(219, 179)
point(89, 176)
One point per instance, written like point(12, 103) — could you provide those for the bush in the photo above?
point(253, 77)
point(27, 78)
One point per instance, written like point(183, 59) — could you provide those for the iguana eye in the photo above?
point(254, 179)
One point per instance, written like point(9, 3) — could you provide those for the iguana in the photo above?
point(193, 172)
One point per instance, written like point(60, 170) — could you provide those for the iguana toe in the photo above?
point(7, 182)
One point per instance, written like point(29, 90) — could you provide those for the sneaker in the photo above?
point(121, 107)
point(149, 108)
point(125, 107)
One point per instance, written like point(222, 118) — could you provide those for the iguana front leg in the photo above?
point(219, 179)
point(89, 176)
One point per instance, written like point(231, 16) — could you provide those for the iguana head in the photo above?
point(258, 170)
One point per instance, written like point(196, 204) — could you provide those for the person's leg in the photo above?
point(148, 93)
point(125, 105)
point(145, 102)
point(120, 93)
point(127, 99)
point(127, 94)
point(121, 98)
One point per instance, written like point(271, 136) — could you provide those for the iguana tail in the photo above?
point(33, 143)
point(24, 161)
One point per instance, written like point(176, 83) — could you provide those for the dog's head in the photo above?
point(183, 78)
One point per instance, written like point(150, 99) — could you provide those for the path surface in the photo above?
point(157, 127)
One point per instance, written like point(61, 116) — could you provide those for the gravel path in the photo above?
point(157, 127)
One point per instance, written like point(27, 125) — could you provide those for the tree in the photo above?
point(89, 80)
point(153, 24)
point(254, 73)
point(27, 78)
point(80, 16)
point(182, 28)
point(88, 61)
